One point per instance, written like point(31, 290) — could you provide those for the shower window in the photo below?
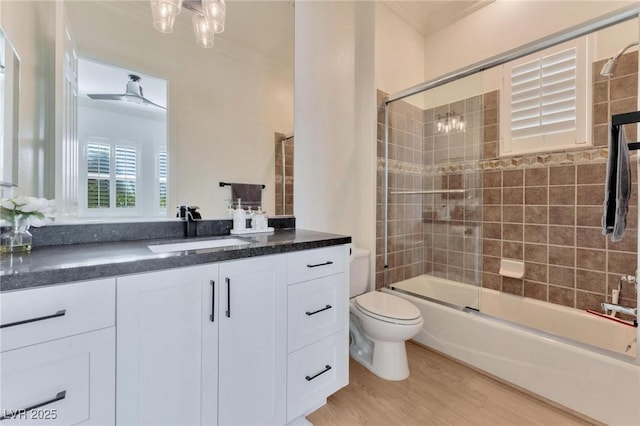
point(545, 100)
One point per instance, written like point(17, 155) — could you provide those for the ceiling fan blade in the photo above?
point(106, 96)
point(148, 102)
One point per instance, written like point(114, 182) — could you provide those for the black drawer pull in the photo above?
point(320, 264)
point(213, 301)
point(228, 313)
point(46, 317)
point(318, 311)
point(326, 368)
point(24, 411)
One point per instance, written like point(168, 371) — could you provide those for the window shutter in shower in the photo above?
point(544, 97)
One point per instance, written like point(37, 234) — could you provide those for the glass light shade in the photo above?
point(164, 13)
point(215, 11)
point(203, 31)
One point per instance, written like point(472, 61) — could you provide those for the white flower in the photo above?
point(7, 203)
point(29, 211)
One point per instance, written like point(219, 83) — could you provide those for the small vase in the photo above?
point(18, 239)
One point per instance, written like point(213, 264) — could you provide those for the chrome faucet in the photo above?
point(614, 307)
point(606, 307)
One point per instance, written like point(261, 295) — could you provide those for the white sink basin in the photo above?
point(195, 245)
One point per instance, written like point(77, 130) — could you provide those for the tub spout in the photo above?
point(621, 309)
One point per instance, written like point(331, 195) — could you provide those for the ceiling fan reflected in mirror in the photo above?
point(133, 94)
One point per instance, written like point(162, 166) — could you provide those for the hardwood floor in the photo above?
point(439, 391)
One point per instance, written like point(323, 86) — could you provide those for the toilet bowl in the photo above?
point(380, 323)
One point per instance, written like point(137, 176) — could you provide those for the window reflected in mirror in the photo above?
point(122, 132)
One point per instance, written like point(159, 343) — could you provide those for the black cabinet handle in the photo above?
point(320, 264)
point(27, 321)
point(319, 310)
point(213, 301)
point(228, 313)
point(326, 368)
point(10, 414)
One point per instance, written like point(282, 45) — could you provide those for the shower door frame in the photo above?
point(624, 14)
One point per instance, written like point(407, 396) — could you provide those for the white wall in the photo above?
point(399, 53)
point(505, 25)
point(335, 119)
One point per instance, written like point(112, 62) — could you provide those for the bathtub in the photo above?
point(578, 360)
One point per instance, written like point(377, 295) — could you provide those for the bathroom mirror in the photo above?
point(9, 111)
point(225, 104)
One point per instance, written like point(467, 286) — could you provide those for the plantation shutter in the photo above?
point(162, 179)
point(98, 175)
point(126, 162)
point(543, 95)
point(545, 102)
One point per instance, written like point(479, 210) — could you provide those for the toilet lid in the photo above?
point(387, 306)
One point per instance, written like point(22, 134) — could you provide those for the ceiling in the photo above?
point(265, 28)
point(428, 16)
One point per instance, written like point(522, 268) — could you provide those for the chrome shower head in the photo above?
point(610, 67)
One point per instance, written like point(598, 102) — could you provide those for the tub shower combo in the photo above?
point(436, 167)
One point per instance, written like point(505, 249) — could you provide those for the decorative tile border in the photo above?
point(564, 158)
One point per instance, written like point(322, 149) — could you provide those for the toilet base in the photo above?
point(387, 360)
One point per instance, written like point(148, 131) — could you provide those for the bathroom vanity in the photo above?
point(244, 334)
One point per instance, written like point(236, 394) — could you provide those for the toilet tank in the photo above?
point(359, 271)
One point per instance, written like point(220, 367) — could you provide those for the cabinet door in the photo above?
point(253, 341)
point(68, 381)
point(162, 321)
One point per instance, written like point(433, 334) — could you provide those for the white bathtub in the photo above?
point(505, 341)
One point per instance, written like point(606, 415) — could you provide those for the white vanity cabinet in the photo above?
point(203, 345)
point(57, 363)
point(166, 341)
point(318, 331)
point(253, 342)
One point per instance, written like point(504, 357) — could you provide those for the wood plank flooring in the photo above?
point(439, 391)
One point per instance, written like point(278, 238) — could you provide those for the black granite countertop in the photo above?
point(76, 262)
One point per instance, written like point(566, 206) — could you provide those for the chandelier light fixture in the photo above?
point(208, 17)
point(450, 122)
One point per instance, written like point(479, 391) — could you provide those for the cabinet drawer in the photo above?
point(33, 316)
point(62, 382)
point(316, 310)
point(315, 372)
point(310, 264)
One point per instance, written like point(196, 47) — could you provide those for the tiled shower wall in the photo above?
point(287, 179)
point(544, 209)
point(451, 218)
point(405, 211)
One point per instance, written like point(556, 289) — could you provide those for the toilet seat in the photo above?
point(388, 308)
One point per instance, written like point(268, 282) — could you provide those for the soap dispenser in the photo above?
point(259, 220)
point(239, 218)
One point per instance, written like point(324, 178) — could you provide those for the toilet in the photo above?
point(379, 323)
